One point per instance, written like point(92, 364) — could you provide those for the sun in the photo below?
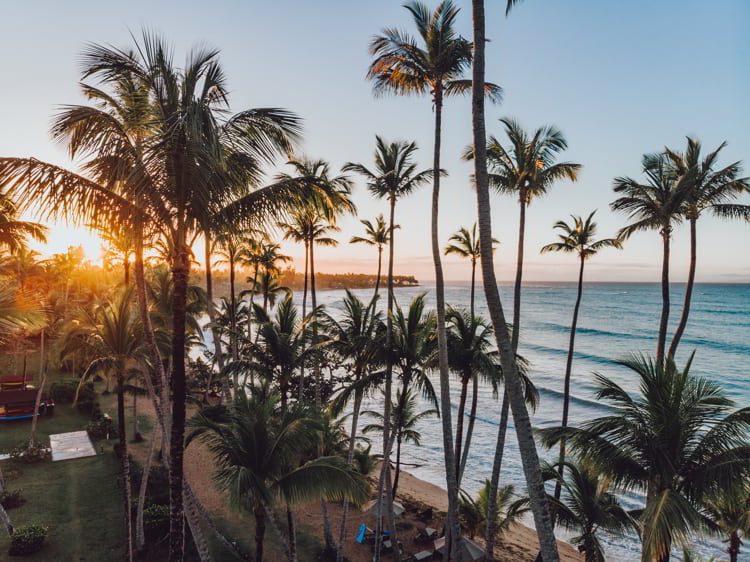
point(60, 237)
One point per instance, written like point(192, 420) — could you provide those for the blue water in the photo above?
point(615, 320)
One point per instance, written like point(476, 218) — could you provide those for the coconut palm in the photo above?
point(729, 513)
point(394, 176)
point(14, 233)
point(589, 505)
point(513, 384)
point(713, 190)
point(375, 235)
point(679, 440)
point(269, 259)
point(655, 205)
point(578, 238)
point(231, 252)
point(437, 67)
point(465, 244)
point(508, 510)
point(260, 453)
point(405, 419)
point(19, 311)
point(115, 337)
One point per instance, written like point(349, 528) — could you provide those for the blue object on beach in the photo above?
point(361, 533)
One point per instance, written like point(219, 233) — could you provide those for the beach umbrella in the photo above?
point(469, 549)
point(372, 507)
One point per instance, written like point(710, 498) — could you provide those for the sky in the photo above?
point(618, 78)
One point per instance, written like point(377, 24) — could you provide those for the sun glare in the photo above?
point(60, 237)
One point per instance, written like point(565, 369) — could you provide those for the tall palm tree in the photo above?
point(678, 440)
point(655, 205)
point(513, 383)
point(115, 337)
point(465, 244)
point(713, 190)
point(375, 235)
point(394, 176)
point(589, 505)
point(231, 252)
point(729, 512)
point(470, 355)
point(197, 157)
point(405, 419)
point(436, 67)
point(578, 238)
point(14, 233)
point(260, 454)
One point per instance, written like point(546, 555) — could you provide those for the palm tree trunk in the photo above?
point(38, 401)
point(519, 274)
point(233, 301)
point(218, 354)
point(388, 391)
point(140, 535)
point(260, 531)
point(470, 427)
point(398, 465)
point(180, 272)
point(445, 397)
point(497, 463)
point(126, 267)
point(136, 427)
point(568, 372)
point(664, 322)
point(314, 298)
point(460, 425)
point(473, 285)
point(4, 519)
point(688, 291)
point(349, 460)
point(124, 461)
point(513, 387)
point(292, 529)
point(270, 518)
point(304, 314)
point(734, 546)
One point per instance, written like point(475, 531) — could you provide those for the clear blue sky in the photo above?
point(619, 78)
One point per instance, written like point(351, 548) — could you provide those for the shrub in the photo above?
point(155, 521)
point(12, 498)
point(157, 491)
point(27, 539)
point(63, 392)
point(87, 403)
point(101, 428)
point(35, 453)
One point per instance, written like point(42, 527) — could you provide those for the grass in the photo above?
point(79, 500)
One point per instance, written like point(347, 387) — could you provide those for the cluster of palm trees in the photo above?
point(163, 162)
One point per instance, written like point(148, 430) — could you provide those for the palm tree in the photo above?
point(465, 244)
point(470, 355)
point(15, 233)
point(655, 205)
point(578, 238)
point(473, 512)
point(269, 259)
point(437, 67)
point(260, 454)
point(588, 506)
point(729, 512)
point(405, 419)
point(678, 440)
point(231, 252)
point(115, 337)
point(713, 191)
point(395, 176)
point(375, 235)
point(513, 383)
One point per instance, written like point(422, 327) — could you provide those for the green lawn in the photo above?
point(79, 500)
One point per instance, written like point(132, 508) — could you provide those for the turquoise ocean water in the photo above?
point(616, 319)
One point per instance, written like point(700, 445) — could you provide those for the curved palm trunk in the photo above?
point(688, 291)
point(568, 372)
point(384, 476)
point(470, 427)
point(140, 534)
point(473, 285)
point(180, 272)
point(124, 461)
point(380, 266)
point(211, 305)
point(664, 321)
point(349, 460)
point(497, 463)
point(445, 397)
point(260, 532)
point(513, 387)
point(460, 425)
point(43, 381)
point(519, 274)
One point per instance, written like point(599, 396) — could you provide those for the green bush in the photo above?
point(35, 453)
point(155, 521)
point(101, 428)
point(87, 403)
point(63, 392)
point(12, 498)
point(27, 539)
point(157, 491)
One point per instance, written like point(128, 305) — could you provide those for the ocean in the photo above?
point(616, 319)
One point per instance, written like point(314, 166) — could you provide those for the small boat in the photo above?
point(18, 398)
